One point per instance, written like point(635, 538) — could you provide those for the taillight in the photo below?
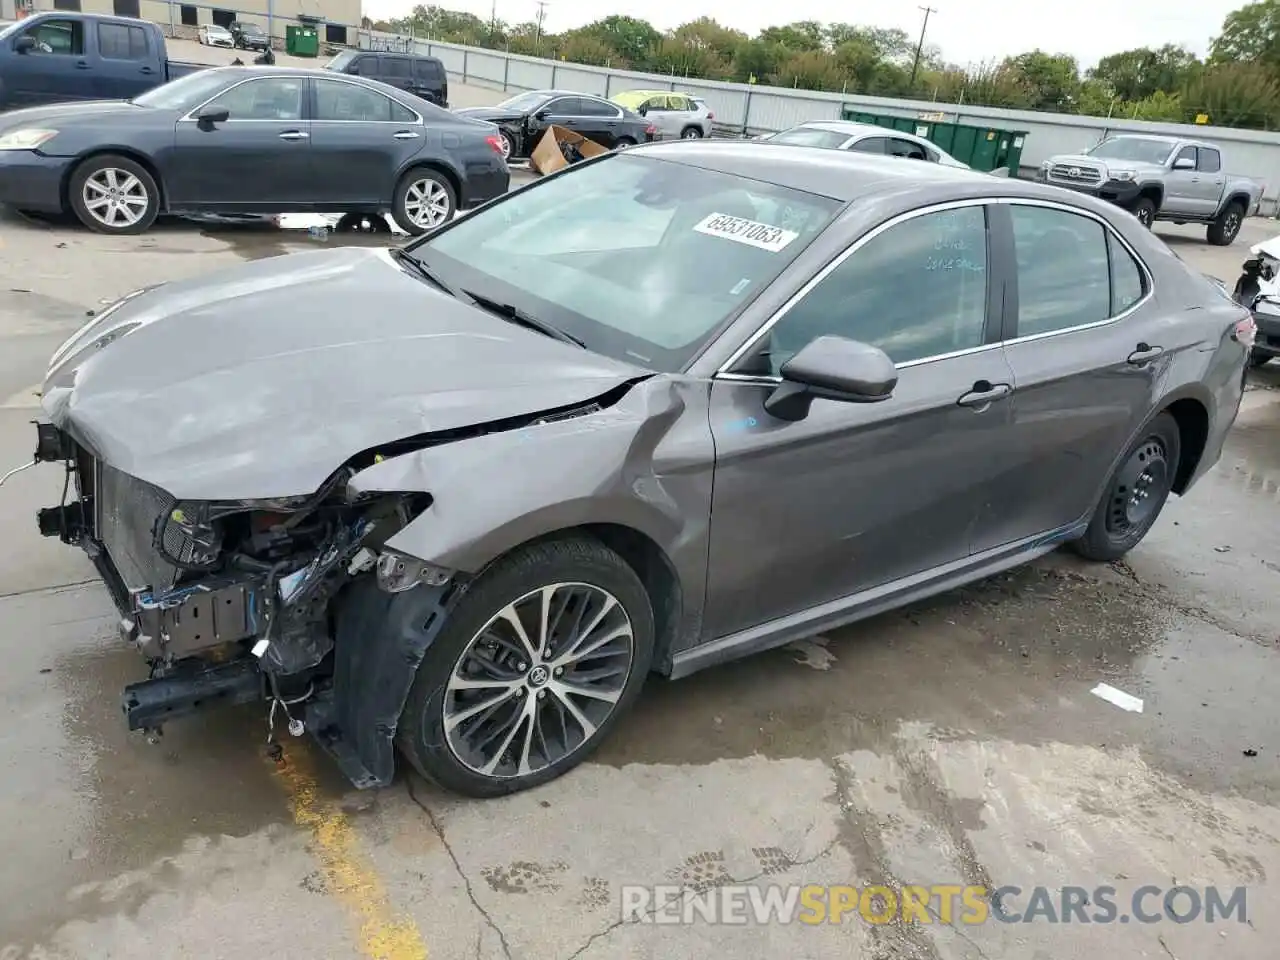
point(650, 130)
point(1245, 332)
point(710, 115)
point(495, 142)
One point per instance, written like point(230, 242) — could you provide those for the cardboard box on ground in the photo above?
point(557, 146)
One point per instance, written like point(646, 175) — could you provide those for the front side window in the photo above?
point(917, 290)
point(564, 107)
point(1063, 275)
point(271, 98)
point(59, 37)
point(656, 104)
point(1187, 153)
point(810, 137)
point(642, 259)
point(336, 100)
point(871, 145)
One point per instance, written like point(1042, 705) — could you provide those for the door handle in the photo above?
point(1143, 354)
point(82, 65)
point(146, 70)
point(405, 135)
point(294, 135)
point(1195, 179)
point(984, 393)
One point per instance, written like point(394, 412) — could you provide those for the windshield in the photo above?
point(185, 92)
point(1138, 149)
point(340, 62)
point(252, 28)
point(524, 101)
point(810, 137)
point(640, 259)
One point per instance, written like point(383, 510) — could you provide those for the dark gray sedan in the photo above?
point(249, 140)
point(662, 409)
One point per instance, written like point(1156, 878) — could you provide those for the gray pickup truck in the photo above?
point(1161, 178)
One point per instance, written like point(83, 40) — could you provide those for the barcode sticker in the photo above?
point(763, 236)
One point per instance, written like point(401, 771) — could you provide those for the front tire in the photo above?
point(535, 665)
point(1136, 492)
point(1258, 359)
point(424, 200)
point(114, 195)
point(1224, 230)
point(1144, 208)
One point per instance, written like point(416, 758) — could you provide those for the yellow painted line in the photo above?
point(349, 875)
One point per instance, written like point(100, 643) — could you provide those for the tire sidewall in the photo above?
point(421, 729)
point(1218, 233)
point(402, 192)
point(86, 169)
point(691, 133)
point(1098, 543)
point(1145, 203)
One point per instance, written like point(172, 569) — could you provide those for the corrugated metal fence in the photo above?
point(758, 109)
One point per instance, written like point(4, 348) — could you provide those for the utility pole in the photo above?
point(915, 66)
point(537, 36)
point(493, 22)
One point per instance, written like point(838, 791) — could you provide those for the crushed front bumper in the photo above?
point(176, 627)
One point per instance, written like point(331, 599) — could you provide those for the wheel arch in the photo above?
point(130, 153)
point(439, 166)
point(1154, 192)
point(1237, 196)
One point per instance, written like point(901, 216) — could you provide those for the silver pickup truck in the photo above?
point(1161, 178)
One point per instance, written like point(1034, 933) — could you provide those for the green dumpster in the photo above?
point(982, 148)
point(301, 41)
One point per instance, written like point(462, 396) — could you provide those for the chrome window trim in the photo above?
point(725, 370)
point(189, 117)
point(337, 78)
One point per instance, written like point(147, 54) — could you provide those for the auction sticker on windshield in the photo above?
point(761, 235)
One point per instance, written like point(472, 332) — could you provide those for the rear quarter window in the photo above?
point(428, 69)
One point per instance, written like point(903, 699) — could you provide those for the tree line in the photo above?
point(1236, 85)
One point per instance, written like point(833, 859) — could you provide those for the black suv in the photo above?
point(248, 36)
point(424, 77)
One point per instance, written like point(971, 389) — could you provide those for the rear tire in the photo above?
point(424, 200)
point(1135, 494)
point(485, 720)
point(1144, 208)
point(623, 142)
point(114, 195)
point(1224, 230)
point(691, 133)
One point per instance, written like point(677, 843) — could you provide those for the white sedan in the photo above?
point(864, 138)
point(212, 35)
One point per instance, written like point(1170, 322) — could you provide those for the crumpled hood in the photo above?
point(489, 114)
point(260, 381)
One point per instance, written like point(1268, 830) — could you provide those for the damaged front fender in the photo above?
point(643, 464)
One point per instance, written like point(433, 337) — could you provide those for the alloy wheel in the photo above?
point(691, 134)
point(1145, 216)
point(1138, 489)
point(426, 203)
point(115, 198)
point(505, 142)
point(1231, 226)
point(538, 680)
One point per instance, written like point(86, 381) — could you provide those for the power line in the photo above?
point(915, 65)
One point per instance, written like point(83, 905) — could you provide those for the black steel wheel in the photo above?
point(536, 663)
point(1136, 492)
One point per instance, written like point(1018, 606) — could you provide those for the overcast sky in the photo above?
point(966, 30)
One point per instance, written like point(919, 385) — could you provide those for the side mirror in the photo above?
point(24, 43)
point(542, 114)
point(833, 368)
point(644, 110)
point(209, 114)
point(1184, 163)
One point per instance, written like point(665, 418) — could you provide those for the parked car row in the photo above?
point(249, 139)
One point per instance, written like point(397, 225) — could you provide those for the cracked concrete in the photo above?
point(953, 742)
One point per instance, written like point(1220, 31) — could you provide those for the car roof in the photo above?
point(842, 175)
point(851, 127)
point(564, 93)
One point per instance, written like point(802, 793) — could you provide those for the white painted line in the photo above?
point(1125, 701)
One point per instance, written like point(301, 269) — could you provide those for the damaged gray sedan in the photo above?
point(664, 408)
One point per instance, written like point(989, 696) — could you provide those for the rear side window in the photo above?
point(427, 69)
point(395, 68)
point(596, 108)
point(1064, 279)
point(339, 100)
point(871, 145)
point(118, 41)
point(1210, 161)
point(1127, 282)
point(906, 148)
